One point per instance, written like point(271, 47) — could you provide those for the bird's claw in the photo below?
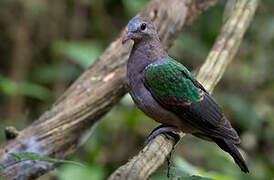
point(166, 130)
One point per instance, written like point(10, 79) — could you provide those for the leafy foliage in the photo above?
point(82, 53)
point(182, 170)
point(11, 88)
point(34, 156)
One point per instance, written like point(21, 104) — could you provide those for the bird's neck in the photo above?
point(144, 53)
point(151, 48)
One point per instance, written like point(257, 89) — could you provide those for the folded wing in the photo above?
point(174, 87)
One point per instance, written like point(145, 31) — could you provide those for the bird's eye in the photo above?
point(143, 26)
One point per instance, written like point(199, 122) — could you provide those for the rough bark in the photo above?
point(152, 156)
point(60, 130)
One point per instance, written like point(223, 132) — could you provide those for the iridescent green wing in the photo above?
point(174, 87)
point(172, 82)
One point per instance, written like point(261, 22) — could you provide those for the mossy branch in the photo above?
point(152, 156)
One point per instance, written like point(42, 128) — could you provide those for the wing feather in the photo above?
point(203, 114)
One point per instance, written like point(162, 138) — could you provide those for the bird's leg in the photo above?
point(165, 130)
point(168, 132)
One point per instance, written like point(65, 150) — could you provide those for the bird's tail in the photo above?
point(229, 147)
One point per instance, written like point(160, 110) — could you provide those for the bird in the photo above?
point(166, 91)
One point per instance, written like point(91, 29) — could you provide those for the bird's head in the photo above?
point(138, 29)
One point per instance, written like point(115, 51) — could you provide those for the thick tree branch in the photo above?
point(227, 43)
point(154, 154)
point(60, 130)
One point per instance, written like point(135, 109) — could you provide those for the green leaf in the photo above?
point(84, 53)
point(9, 87)
point(34, 90)
point(34, 156)
point(217, 176)
point(194, 178)
point(181, 171)
point(69, 172)
point(16, 156)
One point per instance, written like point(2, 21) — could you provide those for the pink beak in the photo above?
point(127, 37)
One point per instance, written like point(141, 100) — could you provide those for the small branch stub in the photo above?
point(11, 132)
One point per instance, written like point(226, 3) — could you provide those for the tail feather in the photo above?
point(229, 147)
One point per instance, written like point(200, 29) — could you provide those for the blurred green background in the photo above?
point(46, 45)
